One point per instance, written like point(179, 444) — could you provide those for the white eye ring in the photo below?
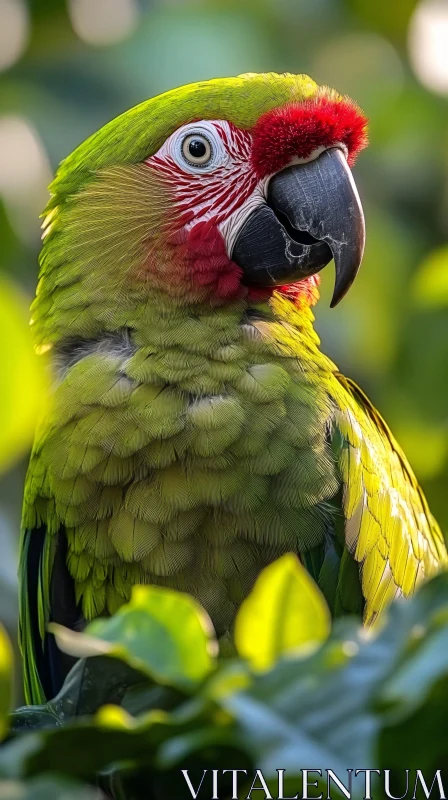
point(200, 143)
point(211, 153)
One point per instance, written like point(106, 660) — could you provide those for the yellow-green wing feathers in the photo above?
point(389, 529)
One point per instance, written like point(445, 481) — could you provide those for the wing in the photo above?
point(46, 593)
point(389, 529)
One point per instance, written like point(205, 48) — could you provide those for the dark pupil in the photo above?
point(197, 149)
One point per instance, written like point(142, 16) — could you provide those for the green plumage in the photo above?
point(141, 468)
point(189, 444)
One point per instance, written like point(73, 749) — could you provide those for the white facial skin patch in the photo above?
point(209, 166)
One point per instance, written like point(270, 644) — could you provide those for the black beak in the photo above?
point(313, 214)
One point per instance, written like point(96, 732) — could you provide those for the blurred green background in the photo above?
point(67, 68)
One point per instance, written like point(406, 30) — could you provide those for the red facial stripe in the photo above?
point(215, 194)
point(297, 129)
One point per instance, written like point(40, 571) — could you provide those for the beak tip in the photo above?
point(347, 266)
point(344, 280)
point(338, 295)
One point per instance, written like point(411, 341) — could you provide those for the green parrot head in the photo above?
point(203, 195)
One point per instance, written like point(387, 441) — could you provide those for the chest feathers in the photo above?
point(189, 451)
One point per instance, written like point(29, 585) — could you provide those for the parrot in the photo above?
point(196, 431)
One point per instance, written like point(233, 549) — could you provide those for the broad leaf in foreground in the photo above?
point(162, 633)
point(284, 612)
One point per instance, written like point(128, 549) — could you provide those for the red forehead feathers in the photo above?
point(297, 129)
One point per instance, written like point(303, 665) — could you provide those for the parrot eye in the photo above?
point(196, 149)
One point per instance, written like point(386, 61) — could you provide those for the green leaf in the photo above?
point(419, 629)
point(5, 680)
point(335, 706)
point(413, 700)
point(284, 612)
point(82, 748)
point(341, 704)
point(419, 741)
point(46, 788)
point(164, 634)
point(91, 683)
point(111, 736)
point(308, 706)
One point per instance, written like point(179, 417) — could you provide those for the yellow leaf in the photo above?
point(5, 680)
point(23, 380)
point(284, 612)
point(111, 716)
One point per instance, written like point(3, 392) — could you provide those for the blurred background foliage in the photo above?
point(66, 68)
